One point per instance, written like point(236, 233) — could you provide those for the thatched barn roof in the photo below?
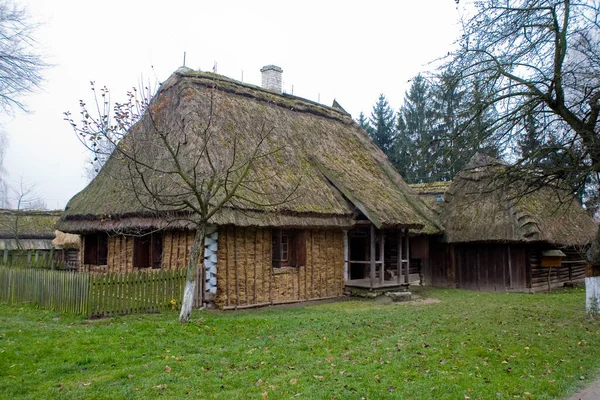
point(341, 174)
point(27, 229)
point(431, 193)
point(480, 206)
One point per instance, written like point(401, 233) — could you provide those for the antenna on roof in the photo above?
point(242, 76)
point(319, 98)
point(215, 67)
point(184, 58)
point(292, 90)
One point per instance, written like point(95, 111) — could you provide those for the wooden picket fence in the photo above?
point(53, 290)
point(90, 294)
point(137, 292)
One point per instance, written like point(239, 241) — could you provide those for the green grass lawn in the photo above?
point(467, 345)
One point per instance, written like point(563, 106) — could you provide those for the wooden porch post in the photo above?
point(372, 270)
point(399, 254)
point(407, 268)
point(381, 258)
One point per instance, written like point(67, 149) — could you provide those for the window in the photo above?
point(95, 249)
point(147, 251)
point(289, 248)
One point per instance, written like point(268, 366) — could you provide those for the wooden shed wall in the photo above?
point(246, 277)
point(572, 269)
point(486, 267)
point(441, 271)
point(491, 267)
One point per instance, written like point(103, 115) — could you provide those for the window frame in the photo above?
point(147, 251)
point(288, 248)
point(95, 249)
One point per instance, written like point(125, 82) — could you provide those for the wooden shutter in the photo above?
point(141, 252)
point(276, 247)
point(156, 250)
point(300, 248)
point(90, 249)
point(102, 249)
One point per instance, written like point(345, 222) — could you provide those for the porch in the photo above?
point(380, 259)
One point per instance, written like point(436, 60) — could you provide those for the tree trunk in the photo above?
point(196, 254)
point(592, 278)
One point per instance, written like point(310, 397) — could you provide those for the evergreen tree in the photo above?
point(460, 132)
point(404, 150)
point(414, 149)
point(447, 94)
point(382, 125)
point(364, 123)
point(529, 139)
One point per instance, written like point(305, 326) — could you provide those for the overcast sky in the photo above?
point(350, 51)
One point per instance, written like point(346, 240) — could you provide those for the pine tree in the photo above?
point(404, 150)
point(447, 94)
point(415, 139)
point(382, 125)
point(364, 123)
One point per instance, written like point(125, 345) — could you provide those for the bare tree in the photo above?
point(21, 64)
point(22, 197)
point(3, 185)
point(540, 60)
point(183, 160)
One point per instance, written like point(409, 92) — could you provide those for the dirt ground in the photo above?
point(591, 392)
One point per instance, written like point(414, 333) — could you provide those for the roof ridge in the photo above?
point(200, 76)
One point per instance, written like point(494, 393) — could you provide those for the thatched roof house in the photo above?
point(343, 180)
point(498, 232)
point(27, 229)
point(341, 171)
point(478, 207)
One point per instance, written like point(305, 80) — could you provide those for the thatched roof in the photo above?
point(27, 229)
point(64, 240)
point(431, 193)
point(28, 224)
point(342, 175)
point(481, 207)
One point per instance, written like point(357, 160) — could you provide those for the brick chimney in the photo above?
point(271, 78)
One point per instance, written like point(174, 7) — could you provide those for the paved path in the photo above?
point(591, 392)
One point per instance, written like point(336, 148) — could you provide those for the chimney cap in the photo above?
point(271, 67)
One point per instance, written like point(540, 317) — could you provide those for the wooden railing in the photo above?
point(90, 294)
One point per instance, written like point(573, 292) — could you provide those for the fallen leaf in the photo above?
point(167, 369)
point(293, 381)
point(265, 395)
point(318, 377)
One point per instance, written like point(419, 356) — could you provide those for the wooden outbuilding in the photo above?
point(498, 237)
point(347, 223)
point(26, 236)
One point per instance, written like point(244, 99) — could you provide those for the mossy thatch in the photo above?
point(431, 193)
point(28, 224)
point(481, 206)
point(340, 173)
point(27, 229)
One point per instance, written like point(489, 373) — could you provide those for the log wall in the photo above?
point(500, 267)
point(572, 270)
point(246, 277)
point(175, 252)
